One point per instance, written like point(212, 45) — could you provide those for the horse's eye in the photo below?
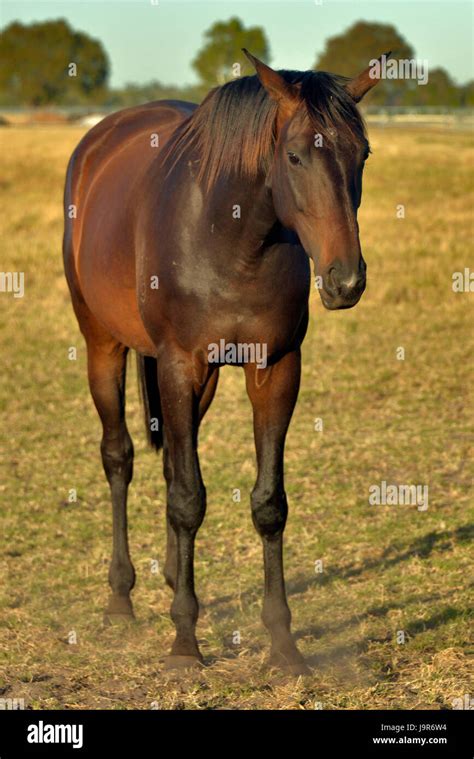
point(294, 159)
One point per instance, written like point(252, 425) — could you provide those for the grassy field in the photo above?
point(386, 569)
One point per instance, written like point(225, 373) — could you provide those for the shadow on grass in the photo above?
point(448, 614)
point(346, 657)
point(349, 655)
point(317, 631)
point(422, 547)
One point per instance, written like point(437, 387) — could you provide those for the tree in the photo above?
point(48, 62)
point(466, 94)
point(225, 40)
point(440, 89)
point(351, 52)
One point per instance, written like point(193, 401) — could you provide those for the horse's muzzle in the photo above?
point(342, 291)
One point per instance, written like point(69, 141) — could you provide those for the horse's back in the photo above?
point(108, 138)
point(102, 186)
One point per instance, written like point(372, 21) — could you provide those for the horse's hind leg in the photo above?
point(106, 370)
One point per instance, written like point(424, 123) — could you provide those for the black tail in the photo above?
point(150, 395)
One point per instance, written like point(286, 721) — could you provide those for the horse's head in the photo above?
point(316, 173)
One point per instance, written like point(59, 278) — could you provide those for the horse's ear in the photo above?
point(277, 87)
point(361, 84)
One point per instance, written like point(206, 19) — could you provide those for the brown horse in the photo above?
point(189, 227)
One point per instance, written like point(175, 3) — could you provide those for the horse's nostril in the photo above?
point(333, 281)
point(340, 284)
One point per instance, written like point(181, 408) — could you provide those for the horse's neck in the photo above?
point(245, 211)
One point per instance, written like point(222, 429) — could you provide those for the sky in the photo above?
point(157, 39)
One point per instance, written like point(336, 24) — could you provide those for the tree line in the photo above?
point(49, 63)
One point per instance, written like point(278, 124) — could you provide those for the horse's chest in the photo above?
point(207, 305)
point(264, 318)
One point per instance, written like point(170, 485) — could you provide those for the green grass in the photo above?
point(386, 568)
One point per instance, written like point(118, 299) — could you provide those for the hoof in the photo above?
point(293, 665)
point(295, 670)
point(119, 611)
point(175, 661)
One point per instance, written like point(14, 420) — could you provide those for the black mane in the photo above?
point(233, 130)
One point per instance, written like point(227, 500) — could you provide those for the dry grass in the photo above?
point(385, 568)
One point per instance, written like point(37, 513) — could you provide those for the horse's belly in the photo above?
point(105, 262)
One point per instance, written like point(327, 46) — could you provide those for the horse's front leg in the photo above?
point(180, 392)
point(273, 392)
point(208, 390)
